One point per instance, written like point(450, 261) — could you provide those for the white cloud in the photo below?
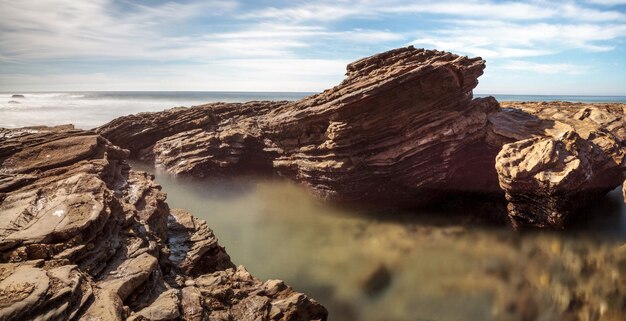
point(510, 10)
point(298, 75)
point(608, 2)
point(543, 68)
point(267, 48)
point(497, 39)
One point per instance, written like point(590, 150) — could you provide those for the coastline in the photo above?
point(402, 131)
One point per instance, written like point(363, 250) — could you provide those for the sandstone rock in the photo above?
point(563, 156)
point(82, 236)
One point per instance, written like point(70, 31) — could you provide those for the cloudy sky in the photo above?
point(531, 47)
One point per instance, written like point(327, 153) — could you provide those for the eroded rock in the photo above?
point(82, 236)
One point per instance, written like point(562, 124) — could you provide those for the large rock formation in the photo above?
point(369, 138)
point(401, 130)
point(82, 236)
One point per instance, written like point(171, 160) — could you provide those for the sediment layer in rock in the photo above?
point(83, 236)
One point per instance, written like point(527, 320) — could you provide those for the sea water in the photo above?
point(438, 267)
point(87, 110)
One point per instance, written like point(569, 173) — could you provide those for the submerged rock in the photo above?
point(83, 236)
point(401, 130)
point(377, 281)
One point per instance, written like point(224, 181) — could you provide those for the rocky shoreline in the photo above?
point(402, 130)
point(84, 236)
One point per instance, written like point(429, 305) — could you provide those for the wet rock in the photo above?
point(17, 96)
point(83, 236)
point(13, 102)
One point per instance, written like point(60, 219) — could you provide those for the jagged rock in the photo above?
point(82, 236)
point(401, 130)
point(545, 179)
point(563, 156)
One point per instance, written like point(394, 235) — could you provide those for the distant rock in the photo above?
point(13, 102)
point(17, 96)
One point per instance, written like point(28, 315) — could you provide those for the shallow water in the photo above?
point(382, 266)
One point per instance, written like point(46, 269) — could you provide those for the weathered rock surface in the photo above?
point(401, 130)
point(82, 236)
point(563, 156)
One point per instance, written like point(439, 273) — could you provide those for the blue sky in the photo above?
point(531, 47)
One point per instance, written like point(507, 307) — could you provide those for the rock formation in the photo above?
point(401, 130)
point(369, 138)
point(83, 236)
point(565, 156)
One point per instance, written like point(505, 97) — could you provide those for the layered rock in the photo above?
point(565, 155)
point(82, 236)
point(401, 130)
point(367, 139)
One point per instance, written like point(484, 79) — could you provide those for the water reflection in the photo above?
point(392, 267)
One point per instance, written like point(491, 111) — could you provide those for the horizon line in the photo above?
point(278, 92)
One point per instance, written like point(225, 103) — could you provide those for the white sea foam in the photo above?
point(91, 109)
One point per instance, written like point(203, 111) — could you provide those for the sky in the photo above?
point(531, 47)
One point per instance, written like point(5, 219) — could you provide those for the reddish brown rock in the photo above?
point(82, 236)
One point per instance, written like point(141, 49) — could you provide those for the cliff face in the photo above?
point(401, 130)
point(83, 236)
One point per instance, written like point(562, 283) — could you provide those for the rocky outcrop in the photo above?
point(367, 139)
point(83, 236)
point(401, 130)
point(564, 155)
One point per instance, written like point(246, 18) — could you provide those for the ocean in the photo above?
point(91, 109)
